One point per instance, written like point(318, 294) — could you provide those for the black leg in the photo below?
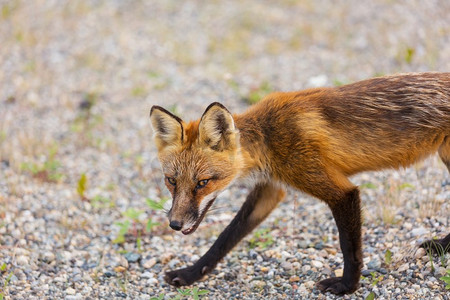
point(259, 203)
point(347, 214)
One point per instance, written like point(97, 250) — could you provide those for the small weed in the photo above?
point(388, 257)
point(8, 9)
point(195, 293)
point(261, 239)
point(81, 186)
point(440, 251)
point(123, 229)
point(151, 224)
point(49, 170)
point(368, 185)
point(102, 202)
point(156, 205)
point(337, 82)
point(7, 279)
point(378, 74)
point(376, 279)
point(373, 280)
point(371, 296)
point(184, 292)
point(258, 93)
point(174, 109)
point(430, 258)
point(131, 216)
point(122, 282)
point(133, 223)
point(138, 91)
point(160, 297)
point(97, 201)
point(409, 54)
point(446, 279)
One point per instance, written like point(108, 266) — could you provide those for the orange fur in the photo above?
point(311, 140)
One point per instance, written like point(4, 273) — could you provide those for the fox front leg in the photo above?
point(259, 203)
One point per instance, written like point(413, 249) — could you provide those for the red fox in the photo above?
point(311, 140)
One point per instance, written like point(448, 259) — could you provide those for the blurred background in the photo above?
point(79, 182)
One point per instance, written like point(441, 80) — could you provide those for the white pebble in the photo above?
point(316, 264)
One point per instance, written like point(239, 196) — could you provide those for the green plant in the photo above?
point(122, 281)
point(151, 224)
point(258, 93)
point(434, 247)
point(388, 257)
point(6, 280)
point(81, 186)
point(49, 170)
point(376, 279)
point(371, 296)
point(262, 238)
point(160, 297)
point(102, 202)
point(156, 205)
point(131, 216)
point(446, 279)
point(409, 54)
point(174, 109)
point(368, 185)
point(133, 223)
point(373, 280)
point(337, 82)
point(8, 9)
point(138, 91)
point(123, 229)
point(195, 293)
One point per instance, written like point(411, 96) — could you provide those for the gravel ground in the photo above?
point(77, 80)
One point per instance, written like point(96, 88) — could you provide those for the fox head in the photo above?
point(199, 159)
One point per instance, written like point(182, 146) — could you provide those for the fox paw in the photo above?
point(336, 286)
point(185, 276)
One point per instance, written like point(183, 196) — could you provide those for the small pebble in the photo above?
point(317, 264)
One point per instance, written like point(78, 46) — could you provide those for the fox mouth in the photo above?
point(191, 229)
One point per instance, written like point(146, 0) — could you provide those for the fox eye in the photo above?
point(171, 180)
point(202, 183)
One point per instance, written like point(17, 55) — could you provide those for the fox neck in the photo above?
point(253, 150)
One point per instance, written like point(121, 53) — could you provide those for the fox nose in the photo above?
point(176, 225)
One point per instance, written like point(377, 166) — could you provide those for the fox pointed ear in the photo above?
point(217, 129)
point(167, 127)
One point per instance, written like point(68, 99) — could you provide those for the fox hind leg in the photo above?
point(343, 199)
point(347, 214)
point(441, 246)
